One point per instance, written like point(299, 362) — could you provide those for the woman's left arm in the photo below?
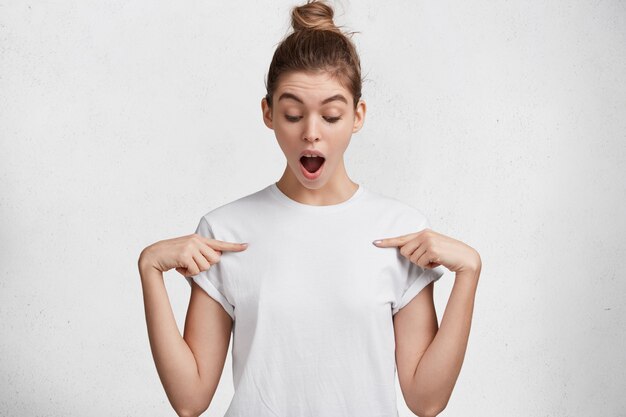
point(440, 364)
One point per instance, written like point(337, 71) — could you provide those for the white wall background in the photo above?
point(121, 123)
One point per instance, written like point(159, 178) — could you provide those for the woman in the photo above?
point(321, 317)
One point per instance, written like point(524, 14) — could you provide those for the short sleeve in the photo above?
point(211, 280)
point(414, 279)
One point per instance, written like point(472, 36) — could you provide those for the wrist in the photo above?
point(467, 277)
point(471, 272)
point(473, 267)
point(466, 283)
point(150, 275)
point(145, 265)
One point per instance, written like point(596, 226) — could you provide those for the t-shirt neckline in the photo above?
point(282, 197)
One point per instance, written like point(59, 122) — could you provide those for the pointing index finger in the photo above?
point(228, 246)
point(393, 241)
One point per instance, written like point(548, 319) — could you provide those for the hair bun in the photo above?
point(314, 15)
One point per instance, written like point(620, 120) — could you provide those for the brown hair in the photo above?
point(316, 44)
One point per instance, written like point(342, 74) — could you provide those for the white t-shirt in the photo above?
point(312, 301)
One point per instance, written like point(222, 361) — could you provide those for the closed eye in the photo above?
point(296, 118)
point(292, 118)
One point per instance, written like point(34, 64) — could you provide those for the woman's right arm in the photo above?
point(189, 377)
point(174, 360)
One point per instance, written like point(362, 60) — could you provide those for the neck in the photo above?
point(335, 190)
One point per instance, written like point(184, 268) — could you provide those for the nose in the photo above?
point(311, 134)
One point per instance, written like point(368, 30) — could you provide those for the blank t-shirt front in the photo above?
point(312, 301)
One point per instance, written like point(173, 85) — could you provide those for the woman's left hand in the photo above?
point(428, 249)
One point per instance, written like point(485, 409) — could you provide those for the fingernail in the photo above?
point(244, 244)
point(376, 242)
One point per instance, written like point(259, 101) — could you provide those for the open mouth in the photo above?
point(312, 163)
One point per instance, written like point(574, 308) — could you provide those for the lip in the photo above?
point(311, 152)
point(312, 176)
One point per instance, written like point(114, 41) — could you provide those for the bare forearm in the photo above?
point(439, 367)
point(175, 362)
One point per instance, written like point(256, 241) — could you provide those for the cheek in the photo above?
point(287, 131)
point(341, 139)
point(284, 132)
point(288, 141)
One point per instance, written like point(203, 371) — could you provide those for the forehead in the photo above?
point(311, 86)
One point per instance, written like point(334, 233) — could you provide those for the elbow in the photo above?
point(190, 411)
point(426, 408)
point(428, 412)
point(433, 414)
point(425, 414)
point(187, 412)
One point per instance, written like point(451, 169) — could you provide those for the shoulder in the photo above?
point(243, 207)
point(398, 211)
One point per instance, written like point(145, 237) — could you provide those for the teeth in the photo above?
point(310, 156)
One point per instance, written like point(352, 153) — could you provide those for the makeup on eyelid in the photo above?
point(328, 119)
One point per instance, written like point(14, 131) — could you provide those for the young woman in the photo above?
point(321, 315)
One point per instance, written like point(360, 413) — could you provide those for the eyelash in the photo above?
point(294, 119)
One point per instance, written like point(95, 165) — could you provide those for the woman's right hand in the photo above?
point(189, 254)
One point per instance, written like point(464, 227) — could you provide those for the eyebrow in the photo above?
point(327, 100)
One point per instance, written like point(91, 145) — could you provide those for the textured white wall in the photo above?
point(121, 123)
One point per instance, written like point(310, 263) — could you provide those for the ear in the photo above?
point(359, 116)
point(267, 113)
